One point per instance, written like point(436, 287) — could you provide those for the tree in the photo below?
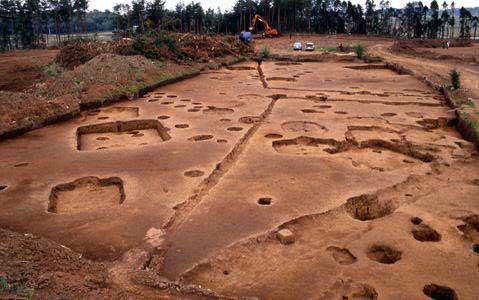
point(435, 22)
point(465, 17)
point(475, 22)
point(139, 14)
point(155, 12)
point(444, 20)
point(452, 19)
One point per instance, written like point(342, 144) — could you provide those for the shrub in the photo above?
point(455, 79)
point(265, 52)
point(359, 50)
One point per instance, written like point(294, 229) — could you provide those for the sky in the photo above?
point(228, 4)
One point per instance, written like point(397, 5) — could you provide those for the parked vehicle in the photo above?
point(297, 46)
point(310, 47)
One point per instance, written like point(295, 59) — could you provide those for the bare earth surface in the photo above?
point(20, 70)
point(276, 181)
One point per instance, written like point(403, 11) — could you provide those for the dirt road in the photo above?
point(276, 181)
point(438, 70)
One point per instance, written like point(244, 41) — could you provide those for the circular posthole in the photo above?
point(181, 126)
point(439, 292)
point(103, 118)
point(475, 248)
point(384, 254)
point(3, 187)
point(102, 138)
point(194, 173)
point(273, 136)
point(24, 164)
point(201, 137)
point(265, 201)
point(425, 233)
point(235, 129)
point(221, 141)
point(163, 117)
point(416, 220)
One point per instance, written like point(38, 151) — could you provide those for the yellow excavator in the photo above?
point(268, 31)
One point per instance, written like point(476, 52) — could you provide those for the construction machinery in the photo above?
point(268, 31)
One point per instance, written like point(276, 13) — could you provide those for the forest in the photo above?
point(28, 23)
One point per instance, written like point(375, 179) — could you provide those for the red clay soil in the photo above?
point(37, 267)
point(20, 70)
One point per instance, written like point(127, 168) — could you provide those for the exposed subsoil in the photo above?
point(348, 182)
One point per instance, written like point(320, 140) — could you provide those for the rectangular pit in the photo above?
point(120, 134)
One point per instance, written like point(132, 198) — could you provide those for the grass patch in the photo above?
point(455, 79)
point(16, 291)
point(359, 50)
point(53, 70)
point(328, 49)
point(265, 52)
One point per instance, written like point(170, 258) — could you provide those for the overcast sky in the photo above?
point(228, 4)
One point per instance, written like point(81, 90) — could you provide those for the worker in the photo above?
point(341, 48)
point(290, 36)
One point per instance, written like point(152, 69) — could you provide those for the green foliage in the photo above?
point(3, 284)
point(455, 79)
point(16, 289)
point(328, 49)
point(153, 45)
point(52, 70)
point(359, 50)
point(77, 39)
point(265, 52)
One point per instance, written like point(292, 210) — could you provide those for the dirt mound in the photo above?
point(79, 52)
point(39, 267)
point(101, 76)
point(154, 45)
point(21, 112)
point(20, 70)
point(413, 44)
point(184, 47)
point(417, 47)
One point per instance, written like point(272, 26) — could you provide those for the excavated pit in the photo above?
point(120, 134)
point(425, 233)
point(368, 207)
point(384, 254)
point(85, 194)
point(440, 292)
point(305, 145)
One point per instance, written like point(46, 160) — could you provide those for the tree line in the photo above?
point(28, 23)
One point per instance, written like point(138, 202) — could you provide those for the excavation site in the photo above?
point(269, 180)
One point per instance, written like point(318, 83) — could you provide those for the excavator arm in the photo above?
point(260, 18)
point(270, 32)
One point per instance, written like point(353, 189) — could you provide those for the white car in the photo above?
point(297, 46)
point(310, 47)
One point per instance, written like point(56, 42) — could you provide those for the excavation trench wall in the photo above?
point(122, 127)
point(466, 125)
